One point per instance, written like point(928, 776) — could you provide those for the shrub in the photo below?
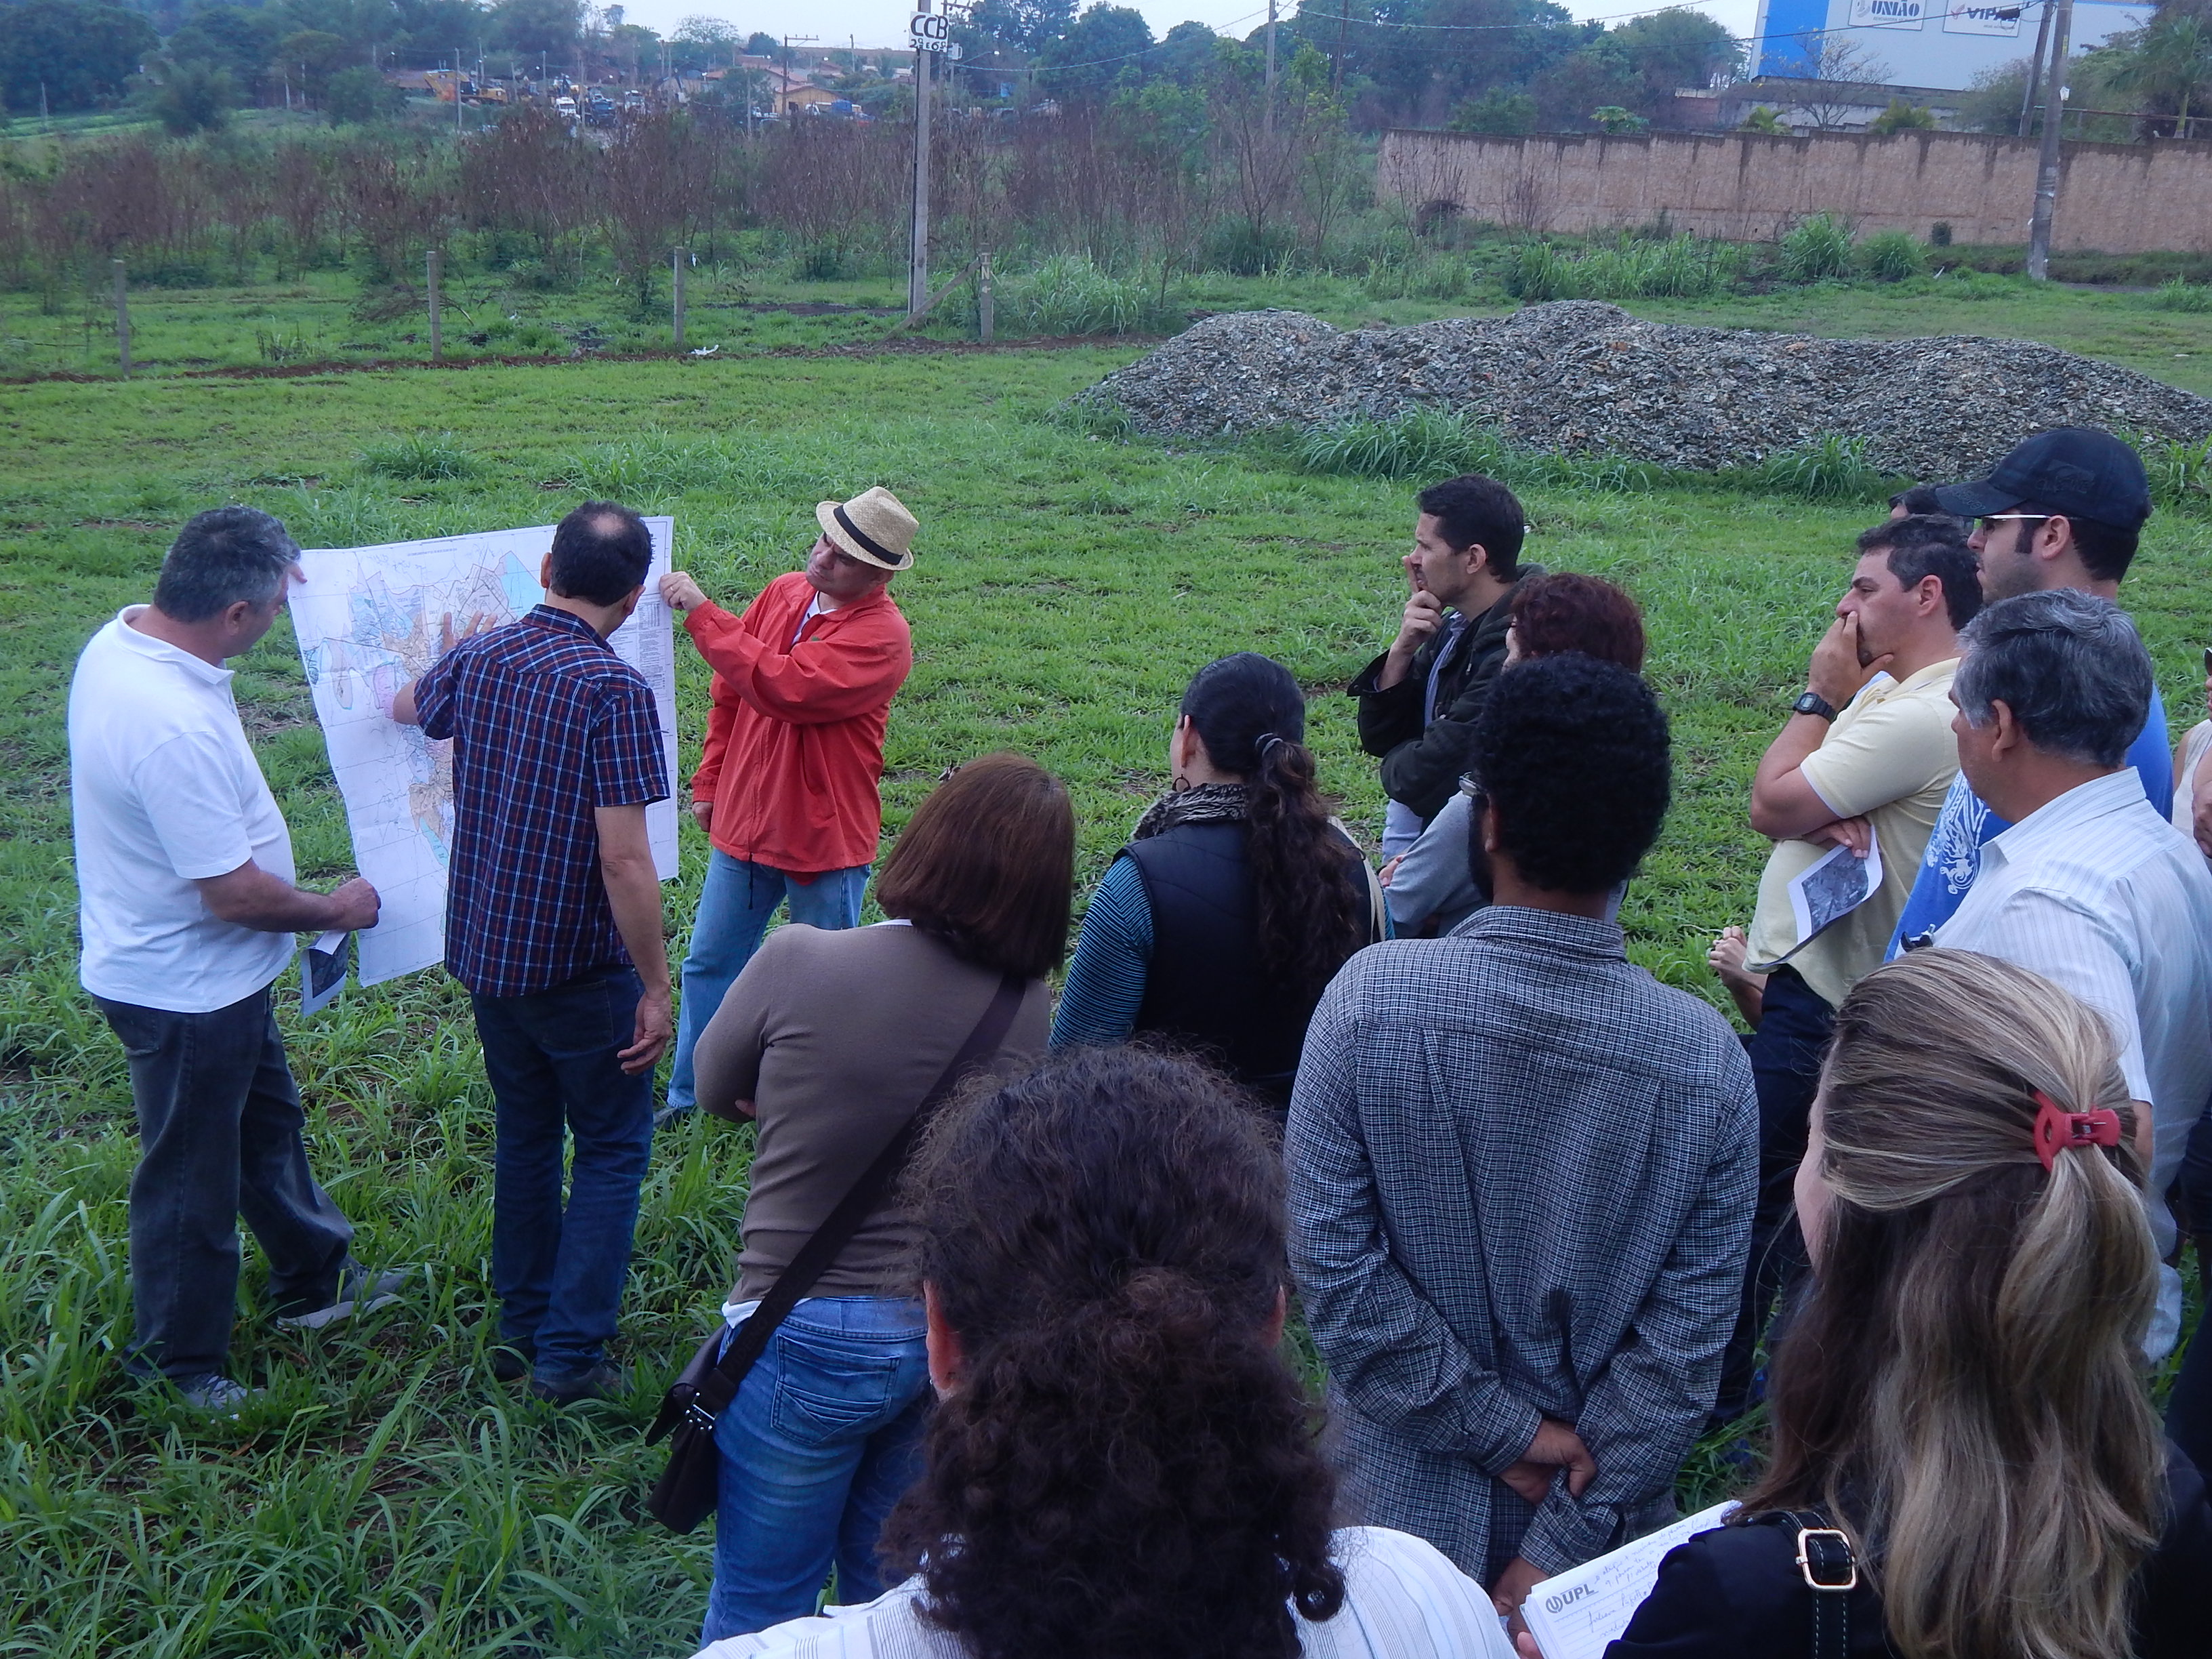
point(422, 455)
point(1500, 110)
point(1891, 256)
point(359, 94)
point(1763, 119)
point(1243, 249)
point(1816, 248)
point(1830, 469)
point(1901, 117)
point(194, 97)
point(1424, 442)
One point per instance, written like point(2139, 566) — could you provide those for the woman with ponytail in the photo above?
point(1236, 899)
point(1122, 1461)
point(1960, 1411)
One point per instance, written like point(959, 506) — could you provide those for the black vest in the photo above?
point(1204, 988)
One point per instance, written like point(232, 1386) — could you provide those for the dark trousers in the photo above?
point(219, 1137)
point(550, 1058)
point(1785, 1054)
point(2189, 1407)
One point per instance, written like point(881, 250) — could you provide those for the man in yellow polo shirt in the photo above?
point(1864, 759)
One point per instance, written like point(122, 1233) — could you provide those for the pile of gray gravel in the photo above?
point(1581, 375)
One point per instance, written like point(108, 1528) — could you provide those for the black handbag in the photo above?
point(685, 1493)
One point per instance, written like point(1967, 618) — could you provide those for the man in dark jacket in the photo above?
point(1419, 701)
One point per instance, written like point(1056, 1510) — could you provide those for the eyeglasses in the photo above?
point(2003, 518)
point(2207, 662)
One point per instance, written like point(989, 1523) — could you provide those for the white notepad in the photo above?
point(1574, 1614)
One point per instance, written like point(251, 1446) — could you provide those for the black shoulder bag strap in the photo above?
point(1832, 1573)
point(713, 1391)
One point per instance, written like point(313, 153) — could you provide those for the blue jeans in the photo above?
point(735, 906)
point(219, 1125)
point(550, 1058)
point(822, 1440)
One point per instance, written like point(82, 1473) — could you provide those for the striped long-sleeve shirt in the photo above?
point(2097, 892)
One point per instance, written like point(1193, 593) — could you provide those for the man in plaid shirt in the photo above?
point(553, 922)
point(1521, 1171)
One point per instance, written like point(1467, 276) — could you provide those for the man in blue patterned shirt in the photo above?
point(553, 922)
point(1521, 1171)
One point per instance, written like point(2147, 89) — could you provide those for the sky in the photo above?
point(883, 22)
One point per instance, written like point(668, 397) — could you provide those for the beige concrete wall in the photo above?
point(2120, 199)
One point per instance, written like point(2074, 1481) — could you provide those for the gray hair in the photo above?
point(223, 555)
point(2069, 666)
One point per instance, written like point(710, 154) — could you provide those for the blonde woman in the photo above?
point(1960, 1419)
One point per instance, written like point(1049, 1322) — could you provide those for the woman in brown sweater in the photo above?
point(830, 1041)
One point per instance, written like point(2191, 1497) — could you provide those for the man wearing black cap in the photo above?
point(2063, 510)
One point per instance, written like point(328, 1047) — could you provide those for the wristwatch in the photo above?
point(1812, 702)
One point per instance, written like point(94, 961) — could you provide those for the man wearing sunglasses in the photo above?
point(2063, 510)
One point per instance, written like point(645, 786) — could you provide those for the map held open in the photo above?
point(370, 619)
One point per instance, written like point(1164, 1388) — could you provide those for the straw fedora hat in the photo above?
point(874, 527)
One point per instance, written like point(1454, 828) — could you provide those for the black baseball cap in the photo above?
point(2076, 470)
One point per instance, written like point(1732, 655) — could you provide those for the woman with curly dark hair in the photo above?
point(1122, 1464)
point(1237, 897)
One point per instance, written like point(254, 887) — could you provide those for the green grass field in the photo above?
point(321, 317)
point(389, 1498)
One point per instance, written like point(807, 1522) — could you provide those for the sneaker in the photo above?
point(359, 1291)
point(597, 1383)
point(669, 1114)
point(216, 1395)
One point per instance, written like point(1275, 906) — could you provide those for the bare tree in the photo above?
point(1839, 67)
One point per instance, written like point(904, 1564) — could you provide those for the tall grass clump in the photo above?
point(2180, 472)
point(653, 466)
point(1679, 268)
point(1537, 272)
point(419, 456)
point(1070, 295)
point(2179, 294)
point(1833, 468)
point(1816, 249)
point(1424, 442)
point(1891, 256)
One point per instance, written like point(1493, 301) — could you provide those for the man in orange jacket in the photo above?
point(785, 790)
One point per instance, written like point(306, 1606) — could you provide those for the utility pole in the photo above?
point(917, 265)
point(802, 39)
point(457, 91)
point(2035, 71)
point(2047, 172)
point(1267, 118)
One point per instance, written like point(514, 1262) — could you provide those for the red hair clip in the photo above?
point(2056, 1128)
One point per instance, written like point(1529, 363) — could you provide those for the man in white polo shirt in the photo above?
point(188, 910)
point(2091, 886)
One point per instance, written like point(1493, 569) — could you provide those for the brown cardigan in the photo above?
point(835, 1037)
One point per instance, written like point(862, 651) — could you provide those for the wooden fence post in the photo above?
point(984, 308)
point(122, 320)
point(676, 266)
point(437, 343)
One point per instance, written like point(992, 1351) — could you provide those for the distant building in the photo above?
point(1937, 44)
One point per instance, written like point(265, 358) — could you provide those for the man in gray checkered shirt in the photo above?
point(1521, 1171)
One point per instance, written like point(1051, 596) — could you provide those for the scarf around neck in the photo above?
point(1207, 803)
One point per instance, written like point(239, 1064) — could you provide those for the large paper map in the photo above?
point(370, 619)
